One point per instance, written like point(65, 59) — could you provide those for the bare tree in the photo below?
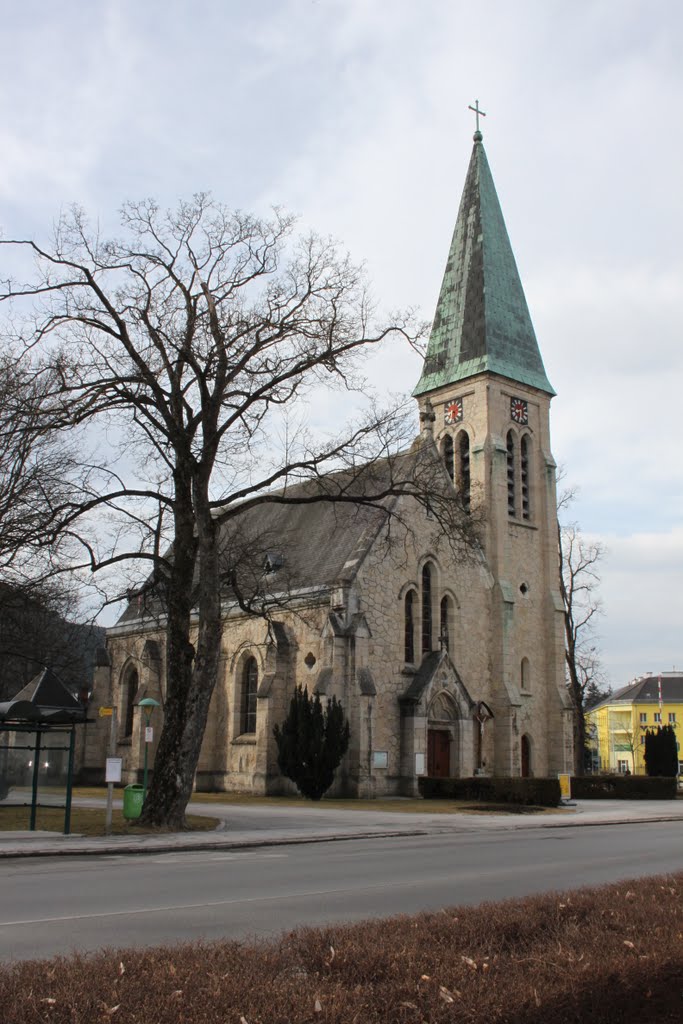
point(579, 584)
point(36, 471)
point(194, 344)
point(37, 476)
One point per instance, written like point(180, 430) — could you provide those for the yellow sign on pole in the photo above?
point(106, 712)
point(565, 785)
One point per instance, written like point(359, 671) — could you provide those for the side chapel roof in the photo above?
point(482, 320)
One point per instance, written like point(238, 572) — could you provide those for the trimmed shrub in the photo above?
point(539, 792)
point(623, 787)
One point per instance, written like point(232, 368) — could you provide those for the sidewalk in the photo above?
point(242, 827)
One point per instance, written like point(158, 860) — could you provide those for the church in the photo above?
point(445, 665)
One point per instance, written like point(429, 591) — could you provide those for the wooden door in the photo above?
point(438, 754)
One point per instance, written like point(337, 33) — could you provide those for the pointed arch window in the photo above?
point(512, 497)
point(464, 469)
point(129, 702)
point(524, 452)
point(426, 608)
point(248, 696)
point(447, 454)
point(445, 624)
point(409, 627)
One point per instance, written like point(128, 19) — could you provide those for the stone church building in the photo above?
point(445, 664)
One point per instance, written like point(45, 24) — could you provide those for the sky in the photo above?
point(353, 114)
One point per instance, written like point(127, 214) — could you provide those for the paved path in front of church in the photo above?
point(249, 826)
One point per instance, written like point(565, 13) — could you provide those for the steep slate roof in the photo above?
point(312, 542)
point(645, 690)
point(482, 321)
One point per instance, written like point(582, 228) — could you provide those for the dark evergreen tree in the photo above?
point(651, 764)
point(661, 751)
point(669, 751)
point(311, 743)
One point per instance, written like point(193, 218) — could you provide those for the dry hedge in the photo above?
point(598, 955)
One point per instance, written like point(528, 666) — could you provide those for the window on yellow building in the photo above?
point(643, 717)
point(672, 717)
point(658, 717)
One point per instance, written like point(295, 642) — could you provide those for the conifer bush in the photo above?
point(311, 743)
point(661, 752)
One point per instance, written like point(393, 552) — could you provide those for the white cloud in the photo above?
point(354, 113)
point(643, 600)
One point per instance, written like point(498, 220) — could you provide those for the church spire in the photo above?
point(482, 322)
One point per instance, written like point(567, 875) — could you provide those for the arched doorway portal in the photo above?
point(442, 735)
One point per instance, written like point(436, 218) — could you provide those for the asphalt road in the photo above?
point(56, 905)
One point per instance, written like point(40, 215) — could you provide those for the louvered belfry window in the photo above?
point(512, 498)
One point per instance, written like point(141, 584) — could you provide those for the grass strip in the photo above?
point(86, 821)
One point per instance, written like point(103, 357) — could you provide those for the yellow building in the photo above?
point(616, 727)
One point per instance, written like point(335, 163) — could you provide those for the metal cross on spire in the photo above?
point(477, 112)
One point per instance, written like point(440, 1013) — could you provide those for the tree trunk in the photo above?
point(191, 673)
point(576, 692)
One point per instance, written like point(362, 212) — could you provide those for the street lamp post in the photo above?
point(148, 704)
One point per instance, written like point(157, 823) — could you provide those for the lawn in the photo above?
point(85, 821)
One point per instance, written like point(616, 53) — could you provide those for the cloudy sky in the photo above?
point(353, 114)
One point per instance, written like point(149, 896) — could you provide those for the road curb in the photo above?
point(146, 848)
point(181, 847)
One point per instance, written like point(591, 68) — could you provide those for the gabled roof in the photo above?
point(482, 320)
point(645, 690)
point(308, 536)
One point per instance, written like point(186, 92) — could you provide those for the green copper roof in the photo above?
point(482, 321)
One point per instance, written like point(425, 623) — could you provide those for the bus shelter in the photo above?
point(38, 744)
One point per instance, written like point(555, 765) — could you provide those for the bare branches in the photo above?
point(579, 585)
point(186, 351)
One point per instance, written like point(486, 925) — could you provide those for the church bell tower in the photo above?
point(484, 378)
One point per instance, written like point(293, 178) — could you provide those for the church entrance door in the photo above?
point(438, 753)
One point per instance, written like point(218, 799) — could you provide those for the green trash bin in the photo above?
point(133, 797)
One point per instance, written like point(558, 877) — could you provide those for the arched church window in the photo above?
point(409, 627)
point(512, 498)
point(131, 689)
point(248, 701)
point(525, 675)
point(447, 455)
point(445, 623)
point(464, 469)
point(524, 476)
point(426, 608)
